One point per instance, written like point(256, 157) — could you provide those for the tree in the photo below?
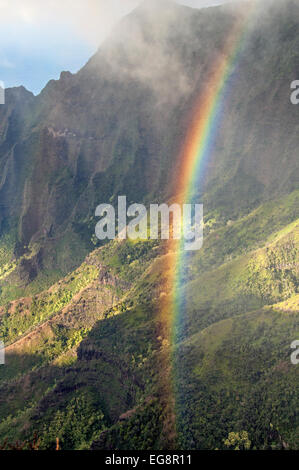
point(238, 440)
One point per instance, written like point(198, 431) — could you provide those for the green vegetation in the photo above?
point(142, 430)
point(76, 425)
point(237, 374)
point(238, 441)
point(18, 320)
point(231, 368)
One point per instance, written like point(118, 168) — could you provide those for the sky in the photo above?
point(39, 39)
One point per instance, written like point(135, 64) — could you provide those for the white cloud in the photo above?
point(92, 19)
point(5, 63)
point(89, 19)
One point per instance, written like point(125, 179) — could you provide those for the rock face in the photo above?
point(117, 126)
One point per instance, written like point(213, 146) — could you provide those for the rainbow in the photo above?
point(197, 147)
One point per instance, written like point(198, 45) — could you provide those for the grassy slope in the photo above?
point(44, 333)
point(260, 277)
point(237, 374)
point(89, 357)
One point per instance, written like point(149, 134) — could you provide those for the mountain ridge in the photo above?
point(75, 137)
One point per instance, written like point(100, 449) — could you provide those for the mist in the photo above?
point(140, 48)
point(39, 39)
